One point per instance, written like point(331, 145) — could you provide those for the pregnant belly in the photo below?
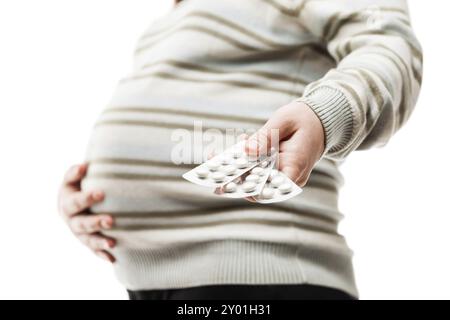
point(134, 166)
point(144, 189)
point(154, 206)
point(138, 155)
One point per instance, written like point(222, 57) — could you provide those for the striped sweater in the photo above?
point(230, 64)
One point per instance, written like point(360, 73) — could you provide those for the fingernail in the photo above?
point(81, 168)
point(110, 244)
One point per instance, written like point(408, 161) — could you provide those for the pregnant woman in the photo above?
point(332, 76)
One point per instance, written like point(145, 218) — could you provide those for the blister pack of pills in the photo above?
point(251, 183)
point(234, 174)
point(223, 168)
point(277, 188)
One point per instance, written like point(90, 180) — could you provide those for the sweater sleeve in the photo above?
point(374, 87)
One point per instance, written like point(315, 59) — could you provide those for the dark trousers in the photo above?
point(244, 292)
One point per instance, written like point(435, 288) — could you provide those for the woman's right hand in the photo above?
point(74, 204)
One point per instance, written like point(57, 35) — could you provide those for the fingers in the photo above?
point(295, 167)
point(97, 242)
point(105, 255)
point(77, 202)
point(87, 229)
point(75, 174)
point(90, 223)
point(250, 199)
point(277, 128)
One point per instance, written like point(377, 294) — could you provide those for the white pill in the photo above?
point(231, 187)
point(228, 169)
point(227, 159)
point(248, 186)
point(273, 174)
point(218, 176)
point(277, 181)
point(258, 171)
point(236, 153)
point(285, 187)
point(241, 163)
point(267, 193)
point(202, 172)
point(213, 165)
point(252, 178)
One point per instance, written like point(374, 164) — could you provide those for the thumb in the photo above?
point(277, 128)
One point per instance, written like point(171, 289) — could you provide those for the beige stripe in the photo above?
point(232, 25)
point(299, 9)
point(374, 89)
point(130, 176)
point(357, 74)
point(180, 111)
point(282, 9)
point(336, 21)
point(313, 184)
point(416, 53)
point(233, 83)
point(329, 24)
point(338, 25)
point(201, 29)
point(344, 49)
point(152, 124)
point(138, 177)
point(399, 68)
point(392, 9)
point(218, 210)
point(215, 33)
point(138, 162)
point(285, 224)
point(403, 62)
point(403, 107)
point(151, 163)
point(417, 75)
point(202, 68)
point(370, 120)
point(348, 47)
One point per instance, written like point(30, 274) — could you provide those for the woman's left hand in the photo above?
point(301, 140)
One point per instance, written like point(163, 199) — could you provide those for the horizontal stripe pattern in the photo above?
point(181, 111)
point(153, 177)
point(279, 224)
point(229, 64)
point(229, 24)
point(203, 68)
point(215, 211)
point(232, 83)
point(338, 20)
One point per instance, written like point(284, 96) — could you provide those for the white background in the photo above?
point(59, 63)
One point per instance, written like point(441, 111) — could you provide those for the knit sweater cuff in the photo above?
point(335, 113)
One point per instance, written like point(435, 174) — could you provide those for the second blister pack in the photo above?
point(250, 183)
